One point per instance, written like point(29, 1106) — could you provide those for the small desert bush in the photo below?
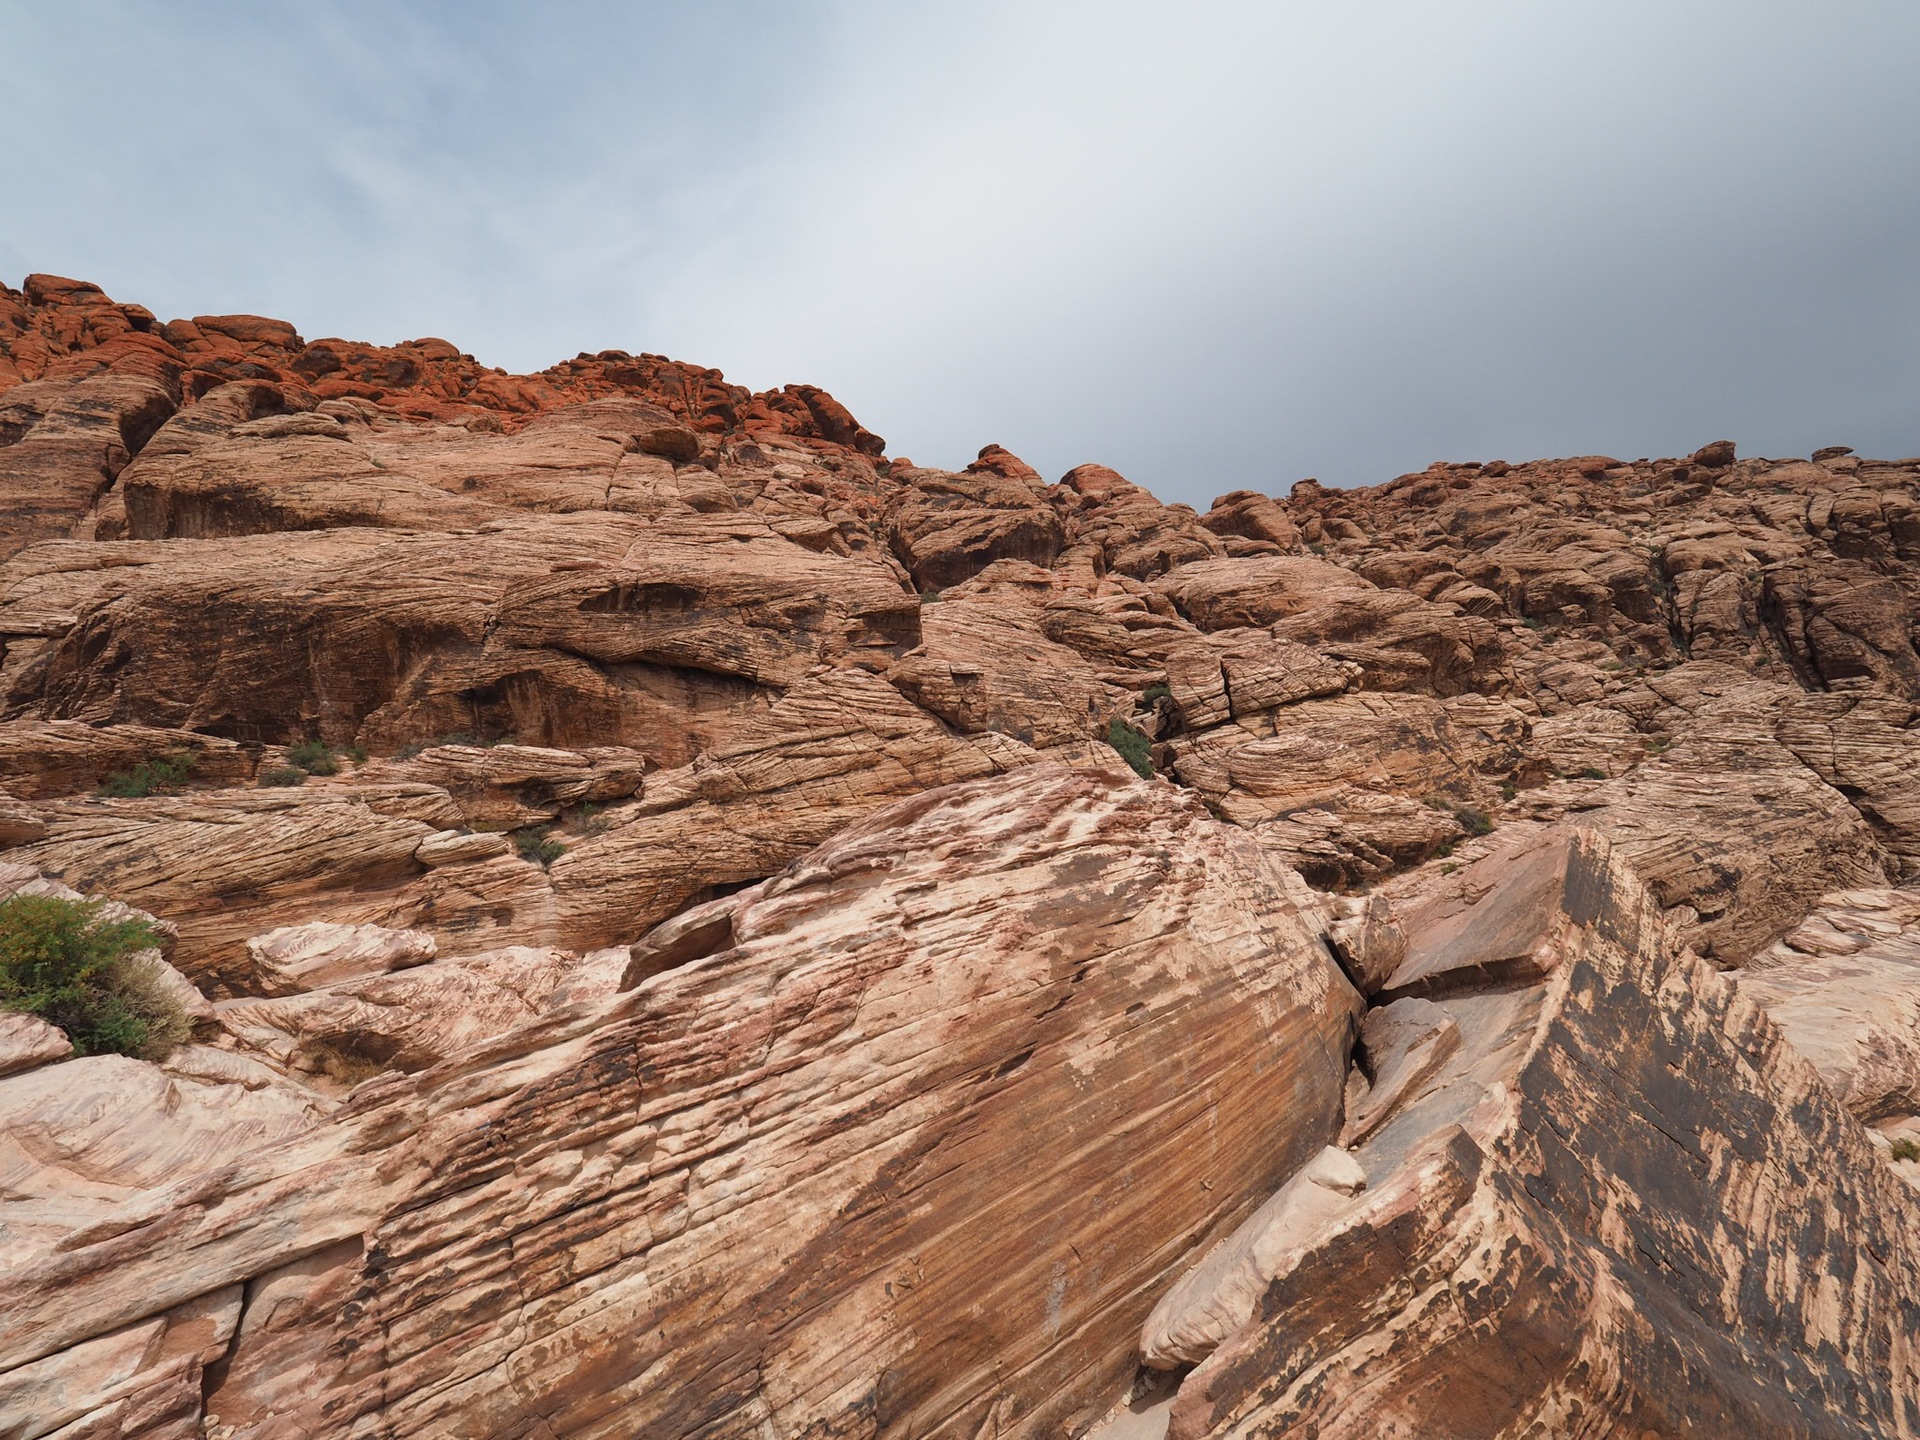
point(97, 979)
point(314, 757)
point(1134, 747)
point(139, 981)
point(150, 777)
point(281, 776)
point(1474, 822)
point(536, 843)
point(1906, 1148)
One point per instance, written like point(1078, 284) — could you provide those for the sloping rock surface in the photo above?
point(610, 1018)
point(1622, 1205)
point(910, 1150)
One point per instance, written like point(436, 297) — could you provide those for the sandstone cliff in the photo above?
point(676, 944)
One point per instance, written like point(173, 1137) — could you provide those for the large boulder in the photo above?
point(946, 528)
point(906, 1144)
point(1610, 1200)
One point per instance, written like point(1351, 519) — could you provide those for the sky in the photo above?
point(1215, 245)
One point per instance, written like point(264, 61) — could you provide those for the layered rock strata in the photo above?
point(1601, 1194)
point(909, 1148)
point(672, 945)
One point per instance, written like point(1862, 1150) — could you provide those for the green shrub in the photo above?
point(1592, 772)
point(536, 843)
point(1906, 1148)
point(138, 982)
point(150, 777)
point(314, 757)
point(281, 776)
point(1474, 822)
point(929, 597)
point(90, 976)
point(1134, 747)
point(356, 753)
point(1159, 690)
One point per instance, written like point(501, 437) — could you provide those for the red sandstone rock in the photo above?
point(1070, 995)
point(676, 636)
point(947, 528)
point(1558, 1188)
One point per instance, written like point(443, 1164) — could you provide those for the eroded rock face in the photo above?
point(224, 866)
point(27, 1041)
point(1621, 1204)
point(1845, 987)
point(625, 699)
point(303, 957)
point(834, 748)
point(910, 1148)
point(948, 528)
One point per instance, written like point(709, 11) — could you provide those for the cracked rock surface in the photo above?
point(692, 926)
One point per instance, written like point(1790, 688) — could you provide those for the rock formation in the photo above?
point(694, 927)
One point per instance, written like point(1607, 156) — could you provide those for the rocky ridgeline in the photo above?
point(674, 946)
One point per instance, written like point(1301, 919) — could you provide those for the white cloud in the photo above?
point(1214, 244)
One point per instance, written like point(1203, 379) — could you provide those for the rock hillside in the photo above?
point(694, 926)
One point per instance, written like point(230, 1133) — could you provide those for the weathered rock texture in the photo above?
point(1845, 987)
point(1613, 1200)
point(911, 1149)
point(610, 1019)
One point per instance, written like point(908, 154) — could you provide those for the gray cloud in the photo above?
point(1213, 245)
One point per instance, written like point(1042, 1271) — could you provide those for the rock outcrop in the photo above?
point(910, 1148)
point(1606, 1196)
point(691, 926)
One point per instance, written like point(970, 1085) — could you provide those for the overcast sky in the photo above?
point(1215, 245)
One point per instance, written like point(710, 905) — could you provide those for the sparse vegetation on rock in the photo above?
point(92, 976)
point(1133, 746)
point(151, 777)
point(537, 843)
point(315, 757)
